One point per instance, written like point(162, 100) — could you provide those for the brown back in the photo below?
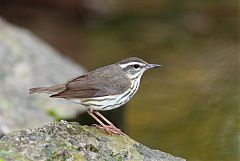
point(108, 80)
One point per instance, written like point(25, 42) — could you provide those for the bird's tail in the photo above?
point(38, 90)
point(48, 90)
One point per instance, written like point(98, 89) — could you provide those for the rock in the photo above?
point(73, 142)
point(25, 62)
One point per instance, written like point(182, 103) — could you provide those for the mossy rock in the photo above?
point(71, 141)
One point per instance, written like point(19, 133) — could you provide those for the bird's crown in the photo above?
point(132, 60)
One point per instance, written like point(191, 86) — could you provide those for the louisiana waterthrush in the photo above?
point(105, 88)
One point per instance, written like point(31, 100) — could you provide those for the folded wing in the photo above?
point(101, 82)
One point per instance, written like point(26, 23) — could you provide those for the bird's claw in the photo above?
point(110, 129)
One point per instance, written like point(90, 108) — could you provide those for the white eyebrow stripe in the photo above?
point(131, 63)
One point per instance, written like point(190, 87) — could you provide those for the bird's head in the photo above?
point(135, 67)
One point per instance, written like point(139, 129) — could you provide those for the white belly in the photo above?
point(109, 102)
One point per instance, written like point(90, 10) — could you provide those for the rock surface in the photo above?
point(25, 62)
point(71, 141)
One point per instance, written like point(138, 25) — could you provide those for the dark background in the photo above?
point(189, 107)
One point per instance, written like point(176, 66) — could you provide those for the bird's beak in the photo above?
point(149, 66)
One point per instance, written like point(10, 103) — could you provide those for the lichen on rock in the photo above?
point(73, 142)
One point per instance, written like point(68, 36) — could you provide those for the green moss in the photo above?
point(121, 145)
point(67, 153)
point(78, 157)
point(69, 141)
point(54, 115)
point(6, 155)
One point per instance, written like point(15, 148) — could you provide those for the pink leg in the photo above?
point(107, 121)
point(107, 128)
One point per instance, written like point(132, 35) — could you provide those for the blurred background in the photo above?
point(190, 106)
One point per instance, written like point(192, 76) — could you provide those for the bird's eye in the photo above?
point(136, 66)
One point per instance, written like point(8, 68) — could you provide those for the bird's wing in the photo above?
point(101, 82)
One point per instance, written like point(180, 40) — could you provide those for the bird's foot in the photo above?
point(113, 130)
point(110, 129)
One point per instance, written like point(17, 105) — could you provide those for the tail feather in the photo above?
point(38, 90)
point(49, 90)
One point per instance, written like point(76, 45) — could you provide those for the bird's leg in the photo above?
point(107, 128)
point(107, 121)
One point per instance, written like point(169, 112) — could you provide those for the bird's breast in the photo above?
point(123, 98)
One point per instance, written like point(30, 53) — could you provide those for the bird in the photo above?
point(102, 89)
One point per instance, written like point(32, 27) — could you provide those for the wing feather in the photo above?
point(104, 81)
